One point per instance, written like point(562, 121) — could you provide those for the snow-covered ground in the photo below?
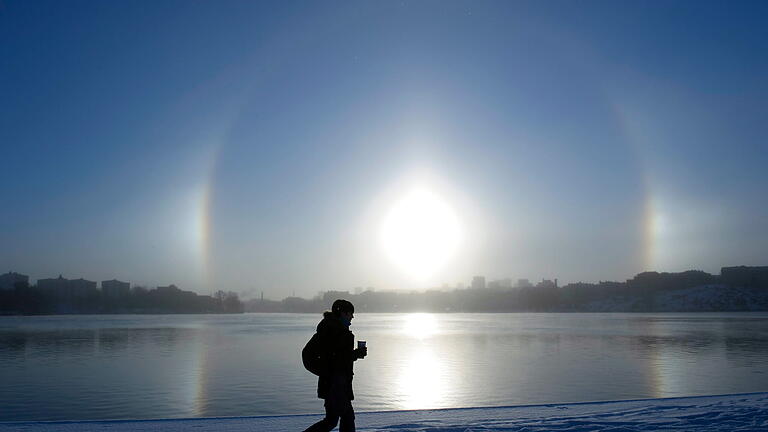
point(744, 412)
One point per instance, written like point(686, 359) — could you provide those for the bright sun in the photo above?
point(420, 233)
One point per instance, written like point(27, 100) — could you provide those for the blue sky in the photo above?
point(257, 146)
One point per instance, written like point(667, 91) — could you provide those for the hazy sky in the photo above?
point(305, 146)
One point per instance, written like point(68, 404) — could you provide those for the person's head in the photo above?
point(343, 310)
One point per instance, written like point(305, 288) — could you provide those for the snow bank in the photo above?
point(743, 412)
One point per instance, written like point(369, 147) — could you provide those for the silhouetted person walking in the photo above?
point(335, 348)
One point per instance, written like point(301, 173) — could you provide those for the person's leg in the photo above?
point(329, 422)
point(347, 414)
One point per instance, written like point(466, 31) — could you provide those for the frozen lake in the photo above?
point(179, 366)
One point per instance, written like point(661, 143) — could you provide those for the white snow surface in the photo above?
point(740, 412)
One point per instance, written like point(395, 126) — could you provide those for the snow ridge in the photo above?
point(738, 413)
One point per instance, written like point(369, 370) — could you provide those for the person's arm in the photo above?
point(360, 353)
point(357, 353)
point(345, 351)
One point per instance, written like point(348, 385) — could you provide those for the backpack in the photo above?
point(311, 355)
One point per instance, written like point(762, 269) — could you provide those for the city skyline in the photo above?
point(9, 279)
point(14, 280)
point(273, 147)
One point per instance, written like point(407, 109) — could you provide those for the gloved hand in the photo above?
point(361, 352)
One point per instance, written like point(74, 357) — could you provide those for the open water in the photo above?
point(173, 366)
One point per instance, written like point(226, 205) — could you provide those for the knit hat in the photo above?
point(342, 305)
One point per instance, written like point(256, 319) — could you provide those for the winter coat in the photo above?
point(337, 350)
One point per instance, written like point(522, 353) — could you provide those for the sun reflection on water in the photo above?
point(420, 325)
point(422, 382)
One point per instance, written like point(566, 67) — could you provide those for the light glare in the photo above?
point(420, 233)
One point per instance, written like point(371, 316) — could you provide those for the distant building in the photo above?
point(63, 288)
point(478, 282)
point(10, 280)
point(500, 283)
point(744, 276)
point(331, 296)
point(115, 288)
point(546, 283)
point(168, 289)
point(524, 283)
point(82, 288)
point(59, 287)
